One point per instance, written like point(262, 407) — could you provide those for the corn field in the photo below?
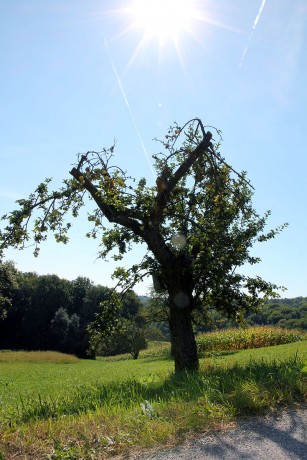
point(253, 337)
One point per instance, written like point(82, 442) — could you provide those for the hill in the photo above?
point(288, 313)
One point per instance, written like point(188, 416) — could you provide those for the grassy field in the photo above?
point(53, 406)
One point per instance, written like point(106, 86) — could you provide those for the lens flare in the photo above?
point(165, 19)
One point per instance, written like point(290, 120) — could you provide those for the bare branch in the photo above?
point(172, 180)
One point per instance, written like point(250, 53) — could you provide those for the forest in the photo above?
point(285, 313)
point(44, 312)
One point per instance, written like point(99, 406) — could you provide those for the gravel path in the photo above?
point(275, 437)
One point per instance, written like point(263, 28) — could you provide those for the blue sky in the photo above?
point(75, 75)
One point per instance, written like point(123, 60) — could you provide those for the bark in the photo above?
point(184, 347)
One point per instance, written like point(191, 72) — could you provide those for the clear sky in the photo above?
point(76, 74)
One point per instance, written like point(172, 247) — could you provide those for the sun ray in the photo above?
point(136, 52)
point(162, 18)
point(169, 23)
point(166, 22)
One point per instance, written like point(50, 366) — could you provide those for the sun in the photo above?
point(162, 19)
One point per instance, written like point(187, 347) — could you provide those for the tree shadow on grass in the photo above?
point(241, 387)
point(217, 354)
point(152, 359)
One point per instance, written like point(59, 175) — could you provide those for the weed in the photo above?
point(67, 452)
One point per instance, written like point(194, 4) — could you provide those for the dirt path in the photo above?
point(275, 437)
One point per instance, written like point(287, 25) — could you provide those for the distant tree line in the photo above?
point(286, 313)
point(43, 312)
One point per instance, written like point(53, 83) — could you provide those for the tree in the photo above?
point(155, 312)
point(133, 337)
point(8, 283)
point(46, 295)
point(197, 221)
point(80, 287)
point(13, 330)
point(126, 337)
point(118, 326)
point(131, 306)
point(59, 329)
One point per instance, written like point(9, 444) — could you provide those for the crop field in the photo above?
point(54, 406)
point(246, 338)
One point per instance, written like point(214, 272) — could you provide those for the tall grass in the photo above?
point(241, 339)
point(38, 357)
point(98, 420)
point(247, 388)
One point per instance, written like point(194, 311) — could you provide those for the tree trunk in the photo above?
point(182, 334)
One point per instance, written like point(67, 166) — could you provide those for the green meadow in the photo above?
point(54, 406)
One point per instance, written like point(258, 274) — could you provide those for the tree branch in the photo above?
point(170, 181)
point(126, 217)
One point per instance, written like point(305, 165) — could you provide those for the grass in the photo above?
point(38, 357)
point(94, 409)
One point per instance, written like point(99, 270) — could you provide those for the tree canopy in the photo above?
point(197, 220)
point(44, 312)
point(8, 282)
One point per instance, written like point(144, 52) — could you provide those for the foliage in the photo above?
point(83, 301)
point(8, 283)
point(134, 337)
point(118, 328)
point(106, 325)
point(47, 312)
point(155, 311)
point(198, 223)
point(286, 313)
point(59, 328)
point(129, 338)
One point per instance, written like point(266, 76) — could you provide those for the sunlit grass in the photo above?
point(155, 349)
point(256, 381)
point(38, 357)
point(93, 409)
point(52, 379)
